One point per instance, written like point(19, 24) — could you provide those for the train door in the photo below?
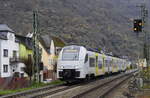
point(114, 65)
point(100, 65)
point(108, 65)
point(103, 64)
point(111, 65)
point(96, 64)
point(92, 64)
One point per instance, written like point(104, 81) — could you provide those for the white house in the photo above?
point(9, 52)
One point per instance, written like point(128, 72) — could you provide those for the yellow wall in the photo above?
point(24, 52)
point(46, 58)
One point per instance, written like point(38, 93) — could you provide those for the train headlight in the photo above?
point(76, 67)
point(61, 67)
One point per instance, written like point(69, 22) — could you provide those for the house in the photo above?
point(25, 51)
point(9, 52)
point(48, 52)
point(25, 47)
point(15, 48)
point(50, 46)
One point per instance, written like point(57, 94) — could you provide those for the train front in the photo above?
point(71, 63)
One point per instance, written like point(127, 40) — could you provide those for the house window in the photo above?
point(14, 54)
point(5, 68)
point(5, 52)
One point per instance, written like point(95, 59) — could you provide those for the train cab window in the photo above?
point(71, 54)
point(92, 62)
point(86, 58)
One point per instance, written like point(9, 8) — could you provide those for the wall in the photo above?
point(24, 52)
point(45, 57)
point(0, 59)
point(11, 45)
point(48, 59)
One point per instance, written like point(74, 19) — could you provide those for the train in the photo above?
point(79, 63)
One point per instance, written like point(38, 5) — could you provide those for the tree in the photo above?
point(28, 67)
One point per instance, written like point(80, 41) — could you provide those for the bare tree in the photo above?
point(28, 67)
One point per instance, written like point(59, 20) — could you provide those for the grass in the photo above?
point(146, 73)
point(33, 86)
point(146, 86)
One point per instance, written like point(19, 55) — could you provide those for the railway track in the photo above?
point(79, 90)
point(31, 92)
point(42, 92)
point(54, 90)
point(101, 91)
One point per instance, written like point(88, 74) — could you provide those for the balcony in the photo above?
point(14, 59)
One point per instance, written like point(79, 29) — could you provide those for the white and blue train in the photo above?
point(76, 63)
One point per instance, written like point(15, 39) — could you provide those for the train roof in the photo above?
point(93, 50)
point(97, 51)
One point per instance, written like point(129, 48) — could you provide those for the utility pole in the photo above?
point(146, 50)
point(144, 19)
point(36, 49)
point(144, 15)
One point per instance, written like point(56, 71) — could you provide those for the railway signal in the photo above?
point(138, 25)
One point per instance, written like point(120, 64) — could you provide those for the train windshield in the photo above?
point(71, 54)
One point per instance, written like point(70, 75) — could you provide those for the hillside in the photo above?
point(94, 23)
